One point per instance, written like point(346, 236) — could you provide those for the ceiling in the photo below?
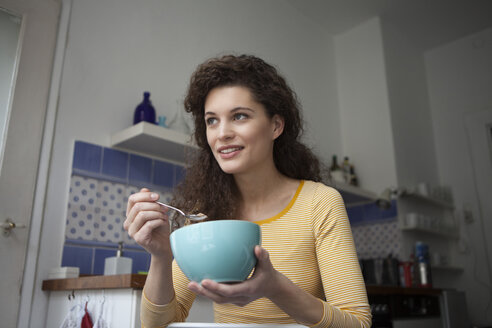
point(426, 23)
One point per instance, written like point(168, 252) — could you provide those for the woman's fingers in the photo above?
point(143, 235)
point(220, 293)
point(144, 206)
point(244, 292)
point(224, 290)
point(145, 195)
point(140, 202)
point(142, 218)
point(208, 292)
point(147, 222)
point(138, 208)
point(263, 258)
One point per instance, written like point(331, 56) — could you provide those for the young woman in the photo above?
point(252, 166)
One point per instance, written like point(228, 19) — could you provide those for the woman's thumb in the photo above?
point(261, 255)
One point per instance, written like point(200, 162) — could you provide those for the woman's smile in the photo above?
point(227, 152)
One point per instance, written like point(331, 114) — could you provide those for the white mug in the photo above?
point(412, 220)
point(423, 189)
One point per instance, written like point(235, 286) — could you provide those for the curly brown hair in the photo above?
point(206, 188)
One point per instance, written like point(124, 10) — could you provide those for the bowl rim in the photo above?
point(216, 222)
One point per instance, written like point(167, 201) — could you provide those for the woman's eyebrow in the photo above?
point(235, 109)
point(242, 108)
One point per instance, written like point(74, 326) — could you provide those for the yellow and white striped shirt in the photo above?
point(311, 243)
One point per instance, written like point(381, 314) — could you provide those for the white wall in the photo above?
point(367, 137)
point(385, 121)
point(460, 82)
point(410, 116)
point(116, 49)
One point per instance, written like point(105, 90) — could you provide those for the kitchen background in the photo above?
point(384, 95)
point(103, 178)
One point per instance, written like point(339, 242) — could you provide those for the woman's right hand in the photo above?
point(147, 223)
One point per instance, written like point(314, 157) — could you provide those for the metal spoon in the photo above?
point(192, 217)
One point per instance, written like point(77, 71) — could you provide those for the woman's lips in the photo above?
point(229, 151)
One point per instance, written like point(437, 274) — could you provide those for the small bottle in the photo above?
point(118, 264)
point(423, 264)
point(414, 271)
point(145, 112)
point(353, 178)
point(336, 172)
point(346, 169)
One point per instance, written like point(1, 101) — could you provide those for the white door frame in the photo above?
point(31, 281)
point(26, 122)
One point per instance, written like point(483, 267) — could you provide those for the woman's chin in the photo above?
point(230, 169)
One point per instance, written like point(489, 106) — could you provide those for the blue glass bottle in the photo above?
point(145, 111)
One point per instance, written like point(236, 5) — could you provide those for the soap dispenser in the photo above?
point(118, 264)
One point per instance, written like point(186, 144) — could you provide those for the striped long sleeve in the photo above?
point(311, 243)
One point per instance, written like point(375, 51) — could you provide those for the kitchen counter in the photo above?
point(389, 303)
point(395, 290)
point(134, 281)
point(137, 281)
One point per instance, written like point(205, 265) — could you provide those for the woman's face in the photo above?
point(239, 132)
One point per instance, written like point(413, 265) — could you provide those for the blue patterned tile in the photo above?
point(392, 212)
point(78, 257)
point(372, 212)
point(163, 174)
point(88, 243)
point(115, 163)
point(356, 214)
point(140, 169)
point(351, 198)
point(87, 157)
point(141, 260)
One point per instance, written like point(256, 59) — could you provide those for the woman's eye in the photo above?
point(240, 116)
point(210, 120)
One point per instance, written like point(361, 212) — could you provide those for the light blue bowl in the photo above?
point(220, 250)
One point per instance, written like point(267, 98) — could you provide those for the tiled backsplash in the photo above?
point(103, 178)
point(377, 240)
point(375, 230)
point(96, 210)
point(109, 164)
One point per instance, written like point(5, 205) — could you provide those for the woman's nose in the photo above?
point(225, 131)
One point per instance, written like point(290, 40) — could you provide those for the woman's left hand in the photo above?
point(261, 284)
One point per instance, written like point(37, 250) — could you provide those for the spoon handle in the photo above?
point(171, 207)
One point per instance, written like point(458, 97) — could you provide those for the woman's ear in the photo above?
point(278, 126)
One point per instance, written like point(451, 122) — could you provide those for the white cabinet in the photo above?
point(117, 298)
point(118, 307)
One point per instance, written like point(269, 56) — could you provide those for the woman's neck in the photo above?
point(264, 195)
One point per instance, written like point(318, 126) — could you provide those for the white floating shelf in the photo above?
point(353, 196)
point(448, 234)
point(154, 140)
point(429, 200)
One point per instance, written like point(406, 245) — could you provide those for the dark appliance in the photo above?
point(389, 309)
